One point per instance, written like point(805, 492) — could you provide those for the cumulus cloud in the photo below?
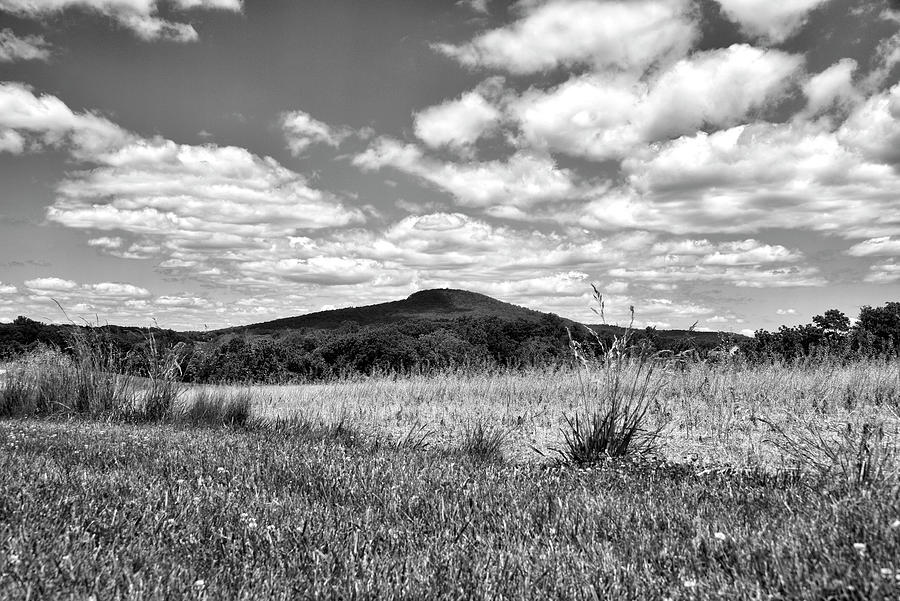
point(7, 289)
point(302, 131)
point(833, 86)
point(751, 177)
point(31, 121)
point(140, 16)
point(603, 116)
point(30, 47)
point(50, 285)
point(205, 206)
point(874, 127)
point(565, 33)
point(520, 181)
point(460, 122)
point(773, 21)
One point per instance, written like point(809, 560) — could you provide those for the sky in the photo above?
point(205, 163)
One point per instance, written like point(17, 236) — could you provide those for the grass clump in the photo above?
point(483, 442)
point(617, 399)
point(863, 455)
point(213, 408)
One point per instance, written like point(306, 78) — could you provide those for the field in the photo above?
point(391, 488)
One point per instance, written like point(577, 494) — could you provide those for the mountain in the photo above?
point(440, 305)
point(431, 305)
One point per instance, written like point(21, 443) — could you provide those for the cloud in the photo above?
point(106, 242)
point(775, 22)
point(873, 128)
point(785, 311)
point(602, 116)
point(522, 180)
point(7, 289)
point(207, 206)
point(49, 285)
point(28, 48)
point(28, 121)
point(568, 33)
point(882, 246)
point(140, 16)
point(302, 131)
point(459, 123)
point(833, 86)
point(763, 175)
point(884, 273)
point(479, 6)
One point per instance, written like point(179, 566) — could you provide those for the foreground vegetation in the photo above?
point(630, 476)
point(154, 511)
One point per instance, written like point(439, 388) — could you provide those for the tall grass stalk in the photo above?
point(619, 393)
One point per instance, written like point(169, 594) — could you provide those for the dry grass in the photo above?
point(711, 414)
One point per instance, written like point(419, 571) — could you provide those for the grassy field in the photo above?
point(380, 488)
point(719, 414)
point(156, 511)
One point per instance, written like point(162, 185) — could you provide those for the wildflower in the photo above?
point(887, 572)
point(251, 524)
point(179, 481)
point(690, 583)
point(896, 524)
point(199, 584)
point(860, 548)
point(720, 536)
point(14, 559)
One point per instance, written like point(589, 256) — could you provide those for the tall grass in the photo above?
point(92, 379)
point(618, 390)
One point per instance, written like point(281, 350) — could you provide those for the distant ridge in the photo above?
point(440, 304)
point(434, 304)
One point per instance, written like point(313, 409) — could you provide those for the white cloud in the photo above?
point(140, 16)
point(833, 86)
point(302, 131)
point(206, 196)
point(118, 290)
point(874, 127)
point(106, 242)
point(882, 246)
point(604, 116)
point(883, 273)
point(30, 121)
point(27, 48)
point(751, 177)
point(7, 288)
point(522, 180)
point(774, 21)
point(785, 311)
point(50, 285)
point(459, 123)
point(566, 33)
point(11, 141)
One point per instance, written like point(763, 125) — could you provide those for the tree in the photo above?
point(833, 322)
